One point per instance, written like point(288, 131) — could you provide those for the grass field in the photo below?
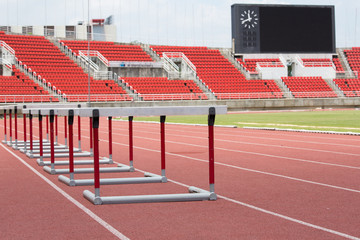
point(337, 120)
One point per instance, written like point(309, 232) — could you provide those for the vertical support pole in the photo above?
point(56, 129)
point(16, 128)
point(162, 141)
point(65, 127)
point(52, 148)
point(91, 134)
point(131, 142)
point(95, 127)
point(41, 162)
point(10, 121)
point(25, 140)
point(5, 126)
point(47, 127)
point(211, 122)
point(31, 133)
point(110, 139)
point(71, 146)
point(79, 133)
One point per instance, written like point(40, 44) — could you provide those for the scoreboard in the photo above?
point(283, 28)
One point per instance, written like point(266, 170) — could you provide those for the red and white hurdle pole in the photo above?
point(79, 133)
point(91, 135)
point(95, 128)
point(31, 133)
point(16, 130)
point(65, 127)
point(131, 142)
point(52, 147)
point(56, 129)
point(25, 134)
point(162, 141)
point(71, 144)
point(47, 127)
point(211, 122)
point(110, 139)
point(5, 136)
point(40, 139)
point(10, 125)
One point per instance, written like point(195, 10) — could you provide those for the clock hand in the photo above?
point(246, 20)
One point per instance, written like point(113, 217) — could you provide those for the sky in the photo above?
point(168, 22)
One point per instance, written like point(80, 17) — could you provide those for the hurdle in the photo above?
point(195, 194)
point(46, 144)
point(71, 169)
point(52, 152)
point(60, 150)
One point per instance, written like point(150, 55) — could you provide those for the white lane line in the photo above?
point(297, 221)
point(248, 170)
point(183, 128)
point(252, 153)
point(258, 144)
point(262, 138)
point(245, 152)
point(95, 217)
point(241, 203)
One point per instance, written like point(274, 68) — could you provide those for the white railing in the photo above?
point(88, 60)
point(94, 53)
point(168, 63)
point(7, 47)
point(182, 56)
point(269, 64)
point(27, 98)
point(6, 63)
point(103, 75)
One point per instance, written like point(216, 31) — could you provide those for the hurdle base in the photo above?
point(37, 148)
point(149, 178)
point(62, 155)
point(76, 162)
point(131, 168)
point(56, 150)
point(84, 170)
point(195, 194)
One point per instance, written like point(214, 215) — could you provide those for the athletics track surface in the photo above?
point(271, 185)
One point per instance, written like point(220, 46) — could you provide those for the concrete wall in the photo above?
point(139, 72)
point(81, 32)
point(242, 105)
point(60, 31)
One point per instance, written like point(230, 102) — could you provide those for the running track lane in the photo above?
point(171, 216)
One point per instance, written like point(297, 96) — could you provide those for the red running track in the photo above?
point(271, 185)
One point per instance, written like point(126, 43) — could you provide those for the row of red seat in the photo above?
point(314, 87)
point(211, 72)
point(165, 89)
point(111, 51)
point(67, 71)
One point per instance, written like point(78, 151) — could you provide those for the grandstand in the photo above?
point(48, 69)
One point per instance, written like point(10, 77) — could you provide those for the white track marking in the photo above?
point(258, 144)
point(245, 152)
point(266, 138)
point(229, 199)
point(71, 199)
point(275, 214)
point(254, 153)
point(247, 169)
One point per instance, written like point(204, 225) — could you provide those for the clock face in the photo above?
point(249, 19)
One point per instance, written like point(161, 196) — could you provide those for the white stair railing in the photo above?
point(8, 54)
point(167, 60)
point(93, 53)
point(87, 59)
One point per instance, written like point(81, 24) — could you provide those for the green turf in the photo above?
point(340, 120)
